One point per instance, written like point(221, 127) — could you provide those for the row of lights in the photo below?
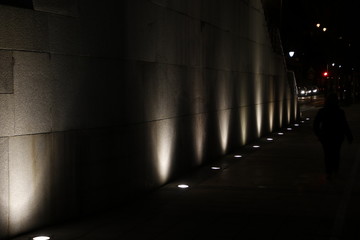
point(269, 139)
point(184, 186)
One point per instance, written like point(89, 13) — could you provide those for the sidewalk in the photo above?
point(277, 191)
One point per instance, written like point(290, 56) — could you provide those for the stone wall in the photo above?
point(104, 100)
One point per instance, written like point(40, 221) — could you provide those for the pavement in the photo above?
point(276, 191)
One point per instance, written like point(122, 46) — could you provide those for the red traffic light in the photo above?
point(325, 74)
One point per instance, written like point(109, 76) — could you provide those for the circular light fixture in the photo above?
point(256, 146)
point(270, 139)
point(41, 238)
point(237, 156)
point(296, 124)
point(280, 133)
point(183, 186)
point(289, 129)
point(215, 168)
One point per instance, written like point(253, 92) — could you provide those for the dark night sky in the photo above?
point(340, 43)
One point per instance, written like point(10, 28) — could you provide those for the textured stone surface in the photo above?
point(105, 101)
point(4, 187)
point(29, 182)
point(33, 92)
point(64, 35)
point(6, 72)
point(24, 29)
point(7, 114)
point(62, 7)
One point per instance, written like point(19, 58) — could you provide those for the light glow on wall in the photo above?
point(271, 116)
point(199, 126)
point(244, 124)
point(259, 115)
point(163, 142)
point(224, 122)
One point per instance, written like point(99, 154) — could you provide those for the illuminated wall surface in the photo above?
point(102, 100)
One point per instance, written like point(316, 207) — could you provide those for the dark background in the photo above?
point(314, 49)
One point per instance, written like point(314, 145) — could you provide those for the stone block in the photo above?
point(23, 29)
point(64, 202)
point(62, 7)
point(64, 35)
point(29, 182)
point(69, 95)
point(179, 39)
point(4, 187)
point(33, 92)
point(143, 19)
point(6, 72)
point(7, 114)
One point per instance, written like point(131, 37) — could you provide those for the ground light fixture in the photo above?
point(183, 186)
point(41, 238)
point(269, 139)
point(296, 125)
point(280, 133)
point(237, 156)
point(215, 168)
point(256, 146)
point(289, 129)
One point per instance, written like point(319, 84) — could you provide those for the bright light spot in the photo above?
point(259, 115)
point(183, 186)
point(291, 53)
point(270, 139)
point(296, 125)
point(237, 156)
point(289, 129)
point(307, 119)
point(256, 146)
point(318, 25)
point(41, 238)
point(324, 29)
point(302, 121)
point(199, 125)
point(215, 168)
point(280, 133)
point(244, 124)
point(224, 123)
point(163, 141)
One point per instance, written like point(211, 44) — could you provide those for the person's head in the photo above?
point(332, 100)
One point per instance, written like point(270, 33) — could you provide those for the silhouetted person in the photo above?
point(331, 127)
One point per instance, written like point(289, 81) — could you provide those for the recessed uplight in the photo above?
point(183, 186)
point(296, 124)
point(289, 129)
point(41, 238)
point(256, 146)
point(307, 119)
point(269, 139)
point(237, 156)
point(215, 168)
point(302, 121)
point(280, 133)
